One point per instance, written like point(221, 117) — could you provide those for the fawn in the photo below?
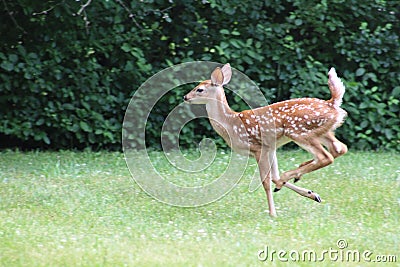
point(309, 122)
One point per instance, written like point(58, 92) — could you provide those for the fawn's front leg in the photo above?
point(264, 168)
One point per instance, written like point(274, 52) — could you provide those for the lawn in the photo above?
point(83, 209)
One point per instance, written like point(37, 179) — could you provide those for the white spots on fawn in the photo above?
point(321, 122)
point(297, 119)
point(244, 135)
point(293, 118)
point(255, 131)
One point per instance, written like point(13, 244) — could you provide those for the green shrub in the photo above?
point(68, 71)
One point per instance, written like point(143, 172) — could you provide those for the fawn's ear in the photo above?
point(227, 73)
point(217, 77)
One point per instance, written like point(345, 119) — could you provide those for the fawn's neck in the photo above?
point(221, 116)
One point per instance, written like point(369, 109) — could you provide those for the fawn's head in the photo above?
point(210, 89)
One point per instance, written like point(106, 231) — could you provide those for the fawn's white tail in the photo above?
point(337, 88)
point(309, 122)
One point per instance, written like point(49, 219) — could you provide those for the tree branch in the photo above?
point(85, 17)
point(12, 17)
point(44, 12)
point(83, 7)
point(131, 15)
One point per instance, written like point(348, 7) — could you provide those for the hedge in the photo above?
point(69, 68)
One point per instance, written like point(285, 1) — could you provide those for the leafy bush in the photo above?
point(68, 69)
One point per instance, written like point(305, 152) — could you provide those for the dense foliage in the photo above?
point(68, 68)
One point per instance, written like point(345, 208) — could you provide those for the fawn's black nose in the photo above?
point(185, 98)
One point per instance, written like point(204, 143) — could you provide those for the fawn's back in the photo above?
point(293, 119)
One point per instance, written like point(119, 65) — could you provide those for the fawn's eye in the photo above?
point(199, 90)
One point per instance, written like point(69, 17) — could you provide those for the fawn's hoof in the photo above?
point(296, 180)
point(273, 214)
point(316, 196)
point(277, 189)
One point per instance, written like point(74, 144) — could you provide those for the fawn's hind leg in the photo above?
point(321, 159)
point(334, 146)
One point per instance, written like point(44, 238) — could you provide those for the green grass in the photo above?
point(83, 209)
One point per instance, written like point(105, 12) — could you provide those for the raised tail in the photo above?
point(337, 88)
